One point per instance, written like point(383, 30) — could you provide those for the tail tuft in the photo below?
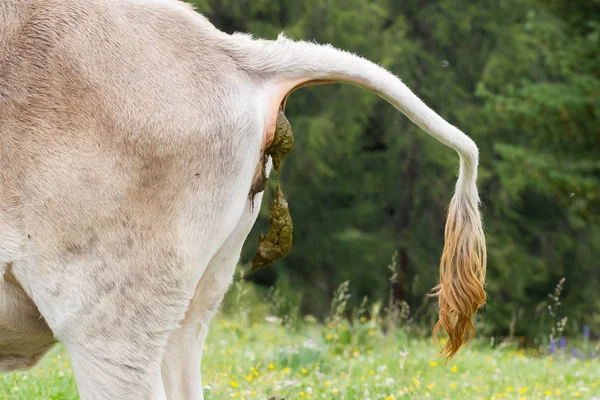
point(462, 269)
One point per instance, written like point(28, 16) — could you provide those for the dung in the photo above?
point(278, 242)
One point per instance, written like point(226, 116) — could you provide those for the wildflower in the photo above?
point(271, 367)
point(563, 343)
point(454, 368)
point(586, 332)
point(433, 363)
point(335, 390)
point(286, 371)
point(508, 389)
point(327, 383)
point(442, 341)
point(523, 390)
point(363, 319)
point(576, 394)
point(233, 384)
point(302, 394)
point(453, 385)
point(304, 371)
point(371, 332)
point(355, 353)
point(329, 336)
point(547, 393)
point(249, 378)
point(558, 392)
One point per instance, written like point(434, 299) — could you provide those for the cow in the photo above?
point(131, 133)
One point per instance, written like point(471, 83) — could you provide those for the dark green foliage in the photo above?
point(522, 78)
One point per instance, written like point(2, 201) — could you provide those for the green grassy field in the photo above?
point(344, 360)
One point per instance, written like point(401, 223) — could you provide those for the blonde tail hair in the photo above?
point(462, 269)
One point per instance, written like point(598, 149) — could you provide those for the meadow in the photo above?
point(368, 355)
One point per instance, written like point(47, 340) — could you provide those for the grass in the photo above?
point(344, 360)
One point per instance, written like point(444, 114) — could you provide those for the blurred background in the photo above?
point(368, 190)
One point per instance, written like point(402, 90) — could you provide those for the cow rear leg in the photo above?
point(115, 315)
point(181, 363)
